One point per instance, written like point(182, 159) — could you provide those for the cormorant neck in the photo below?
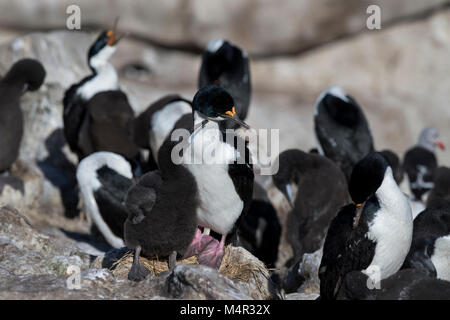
point(388, 193)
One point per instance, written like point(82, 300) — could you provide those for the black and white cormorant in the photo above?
point(341, 129)
point(430, 248)
point(420, 162)
point(222, 169)
point(97, 114)
point(373, 234)
point(25, 75)
point(153, 126)
point(104, 179)
point(226, 65)
point(316, 189)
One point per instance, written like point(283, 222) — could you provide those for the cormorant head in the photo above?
point(214, 103)
point(104, 47)
point(367, 176)
point(28, 73)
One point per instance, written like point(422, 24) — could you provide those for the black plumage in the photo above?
point(346, 249)
point(162, 211)
point(430, 225)
point(395, 164)
point(341, 129)
point(97, 114)
point(321, 191)
point(226, 65)
point(24, 75)
point(419, 164)
point(110, 198)
point(104, 179)
point(408, 284)
point(260, 230)
point(440, 194)
point(352, 239)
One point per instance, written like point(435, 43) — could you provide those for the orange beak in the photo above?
point(231, 113)
point(112, 34)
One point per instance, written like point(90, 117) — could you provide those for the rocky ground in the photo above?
point(398, 74)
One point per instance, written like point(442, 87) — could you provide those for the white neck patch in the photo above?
point(106, 78)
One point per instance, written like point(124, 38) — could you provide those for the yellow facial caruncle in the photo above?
point(231, 113)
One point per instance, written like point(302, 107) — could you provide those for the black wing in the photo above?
point(241, 173)
point(141, 198)
point(343, 132)
point(74, 113)
point(111, 121)
point(346, 249)
point(110, 198)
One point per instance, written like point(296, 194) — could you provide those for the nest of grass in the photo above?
point(236, 270)
point(230, 266)
point(122, 266)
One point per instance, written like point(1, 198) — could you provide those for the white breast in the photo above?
point(105, 80)
point(441, 258)
point(220, 205)
point(163, 121)
point(391, 229)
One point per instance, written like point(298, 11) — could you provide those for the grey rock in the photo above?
point(201, 282)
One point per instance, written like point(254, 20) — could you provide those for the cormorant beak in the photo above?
point(440, 145)
point(289, 195)
point(232, 115)
point(113, 39)
point(359, 209)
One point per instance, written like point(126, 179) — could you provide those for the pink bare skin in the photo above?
point(208, 250)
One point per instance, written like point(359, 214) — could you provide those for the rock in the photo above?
point(258, 25)
point(303, 277)
point(27, 251)
point(240, 265)
point(302, 296)
point(193, 282)
point(241, 269)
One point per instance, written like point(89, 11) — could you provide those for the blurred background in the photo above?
point(398, 74)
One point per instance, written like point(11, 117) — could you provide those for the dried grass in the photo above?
point(229, 267)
